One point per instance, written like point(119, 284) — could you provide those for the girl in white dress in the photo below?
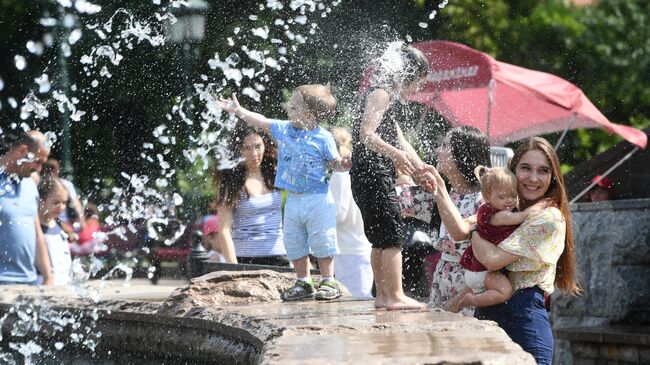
point(53, 197)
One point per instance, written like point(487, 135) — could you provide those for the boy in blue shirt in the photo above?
point(305, 152)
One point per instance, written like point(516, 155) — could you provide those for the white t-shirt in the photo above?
point(57, 247)
point(349, 224)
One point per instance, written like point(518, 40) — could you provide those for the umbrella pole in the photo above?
point(489, 106)
point(559, 141)
point(636, 148)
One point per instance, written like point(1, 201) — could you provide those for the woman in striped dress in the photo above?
point(249, 208)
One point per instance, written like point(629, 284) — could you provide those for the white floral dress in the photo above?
point(449, 276)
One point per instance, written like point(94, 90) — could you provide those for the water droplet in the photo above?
point(48, 22)
point(35, 47)
point(20, 62)
point(262, 32)
point(43, 82)
point(178, 200)
point(74, 36)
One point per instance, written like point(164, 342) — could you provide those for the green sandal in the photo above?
point(301, 290)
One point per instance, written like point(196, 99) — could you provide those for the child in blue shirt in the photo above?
point(305, 151)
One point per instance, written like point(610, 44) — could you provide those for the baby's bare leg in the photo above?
point(498, 289)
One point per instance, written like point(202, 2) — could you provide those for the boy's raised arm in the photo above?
point(251, 118)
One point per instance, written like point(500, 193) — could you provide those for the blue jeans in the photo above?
point(525, 320)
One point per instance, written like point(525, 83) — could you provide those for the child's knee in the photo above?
point(499, 282)
point(508, 290)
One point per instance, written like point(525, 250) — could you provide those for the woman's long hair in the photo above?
point(469, 148)
point(230, 182)
point(557, 193)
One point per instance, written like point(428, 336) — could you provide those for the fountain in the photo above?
point(237, 318)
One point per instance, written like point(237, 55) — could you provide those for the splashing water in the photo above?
point(244, 66)
point(33, 323)
point(433, 14)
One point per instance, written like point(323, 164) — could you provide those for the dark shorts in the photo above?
point(377, 200)
point(525, 320)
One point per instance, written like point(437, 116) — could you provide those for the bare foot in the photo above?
point(380, 303)
point(452, 306)
point(404, 302)
point(467, 301)
point(455, 304)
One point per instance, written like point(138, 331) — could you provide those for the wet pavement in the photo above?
point(346, 331)
point(135, 289)
point(353, 332)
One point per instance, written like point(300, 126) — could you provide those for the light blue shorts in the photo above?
point(310, 225)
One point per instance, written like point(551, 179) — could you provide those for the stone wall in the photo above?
point(612, 245)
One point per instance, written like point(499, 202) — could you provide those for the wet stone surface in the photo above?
point(244, 309)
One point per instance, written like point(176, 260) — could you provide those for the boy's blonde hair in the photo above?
point(493, 178)
point(318, 99)
point(343, 140)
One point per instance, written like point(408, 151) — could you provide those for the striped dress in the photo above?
point(257, 226)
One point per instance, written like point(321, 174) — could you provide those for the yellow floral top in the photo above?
point(540, 242)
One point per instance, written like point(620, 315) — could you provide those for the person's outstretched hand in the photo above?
point(429, 178)
point(346, 161)
point(402, 163)
point(230, 105)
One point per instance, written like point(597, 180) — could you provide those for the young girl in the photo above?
point(53, 197)
point(496, 220)
point(379, 151)
point(352, 265)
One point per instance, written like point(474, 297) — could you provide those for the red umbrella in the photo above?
point(507, 102)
